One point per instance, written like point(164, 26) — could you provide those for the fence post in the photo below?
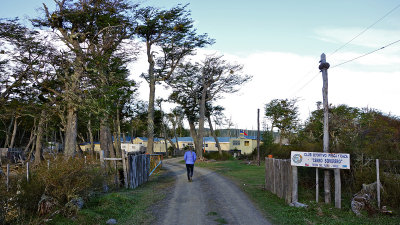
point(316, 185)
point(338, 189)
point(378, 185)
point(295, 182)
point(27, 171)
point(8, 176)
point(124, 168)
point(103, 168)
point(48, 164)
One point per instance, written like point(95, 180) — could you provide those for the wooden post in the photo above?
point(258, 136)
point(85, 159)
point(103, 168)
point(338, 189)
point(125, 168)
point(316, 185)
point(8, 176)
point(378, 185)
point(295, 182)
point(48, 164)
point(324, 66)
point(27, 171)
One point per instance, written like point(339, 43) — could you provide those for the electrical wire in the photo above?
point(340, 64)
point(362, 32)
point(308, 82)
point(344, 45)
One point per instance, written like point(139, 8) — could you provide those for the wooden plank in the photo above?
point(338, 189)
point(8, 176)
point(295, 182)
point(316, 185)
point(124, 168)
point(378, 185)
point(113, 159)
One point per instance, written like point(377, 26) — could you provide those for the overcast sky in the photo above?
point(280, 43)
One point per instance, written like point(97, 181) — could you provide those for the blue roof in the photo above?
point(206, 139)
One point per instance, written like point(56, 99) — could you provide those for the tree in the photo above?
point(170, 37)
point(283, 114)
point(195, 85)
point(85, 28)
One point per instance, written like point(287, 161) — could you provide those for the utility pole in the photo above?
point(258, 136)
point(324, 66)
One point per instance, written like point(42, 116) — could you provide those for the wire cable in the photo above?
point(365, 54)
point(362, 32)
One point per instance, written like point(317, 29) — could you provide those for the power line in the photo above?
point(362, 32)
point(301, 88)
point(365, 54)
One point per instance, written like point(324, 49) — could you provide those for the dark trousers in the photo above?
point(189, 168)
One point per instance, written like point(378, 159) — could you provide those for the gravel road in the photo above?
point(209, 199)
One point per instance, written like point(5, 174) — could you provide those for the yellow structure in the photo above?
point(245, 144)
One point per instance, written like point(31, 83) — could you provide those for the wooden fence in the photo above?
point(279, 178)
point(138, 169)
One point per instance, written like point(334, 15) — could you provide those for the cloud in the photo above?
point(372, 38)
point(288, 75)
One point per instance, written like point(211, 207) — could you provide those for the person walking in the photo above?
point(190, 159)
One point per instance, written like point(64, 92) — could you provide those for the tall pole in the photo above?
point(258, 136)
point(324, 66)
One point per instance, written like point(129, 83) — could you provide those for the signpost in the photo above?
point(324, 160)
point(320, 160)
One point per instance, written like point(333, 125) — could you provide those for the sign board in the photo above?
point(320, 159)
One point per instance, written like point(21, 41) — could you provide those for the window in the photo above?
point(236, 142)
point(216, 145)
point(205, 145)
point(246, 143)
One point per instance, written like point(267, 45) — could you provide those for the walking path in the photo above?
point(209, 199)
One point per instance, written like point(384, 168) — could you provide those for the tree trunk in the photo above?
point(193, 133)
point(31, 138)
point(39, 136)
point(118, 138)
point(8, 132)
point(202, 113)
point(176, 139)
point(71, 132)
point(213, 134)
point(150, 114)
point(106, 143)
point(14, 133)
point(91, 139)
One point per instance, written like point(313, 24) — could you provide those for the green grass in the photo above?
point(250, 178)
point(126, 206)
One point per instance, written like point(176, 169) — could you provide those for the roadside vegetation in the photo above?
point(126, 206)
point(251, 178)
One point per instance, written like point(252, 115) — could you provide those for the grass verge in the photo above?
point(251, 180)
point(126, 206)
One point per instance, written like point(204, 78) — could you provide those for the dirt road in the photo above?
point(209, 199)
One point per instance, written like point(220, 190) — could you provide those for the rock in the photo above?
point(46, 205)
point(73, 206)
point(298, 205)
point(111, 221)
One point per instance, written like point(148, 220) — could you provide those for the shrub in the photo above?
point(64, 180)
point(217, 156)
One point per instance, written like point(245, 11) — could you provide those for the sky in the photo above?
point(279, 43)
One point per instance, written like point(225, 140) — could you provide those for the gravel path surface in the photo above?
point(209, 199)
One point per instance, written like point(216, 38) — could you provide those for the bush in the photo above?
point(217, 156)
point(64, 180)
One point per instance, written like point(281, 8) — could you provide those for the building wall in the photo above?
point(246, 146)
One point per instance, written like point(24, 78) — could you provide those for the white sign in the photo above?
point(320, 159)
